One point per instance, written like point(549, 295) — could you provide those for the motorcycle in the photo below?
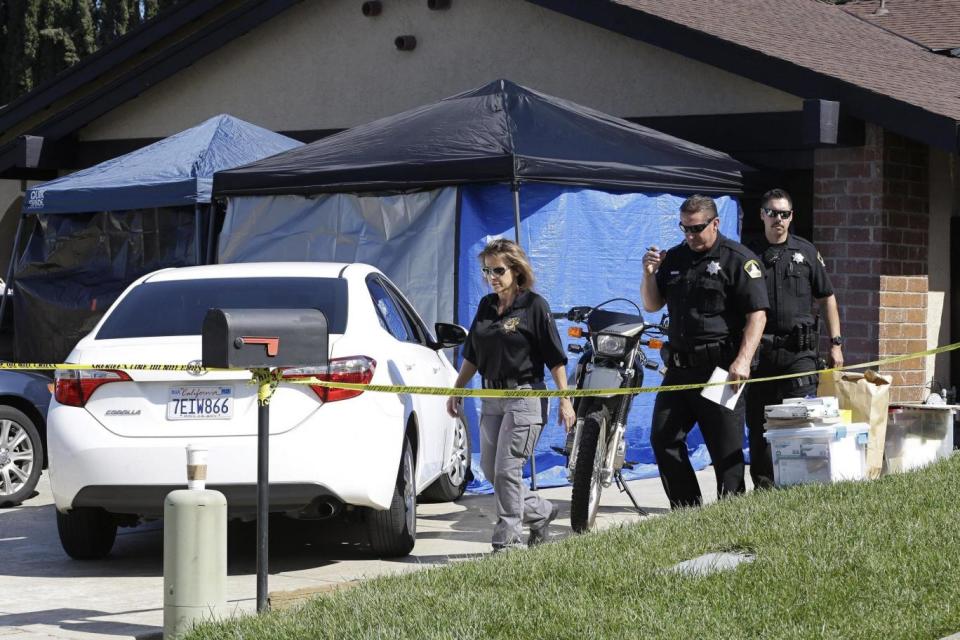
point(611, 358)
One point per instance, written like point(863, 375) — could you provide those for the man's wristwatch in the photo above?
point(836, 340)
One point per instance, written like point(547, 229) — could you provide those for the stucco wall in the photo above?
point(10, 192)
point(321, 64)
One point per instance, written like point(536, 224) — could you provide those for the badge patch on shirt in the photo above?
point(753, 269)
point(798, 257)
point(510, 325)
point(713, 268)
point(820, 258)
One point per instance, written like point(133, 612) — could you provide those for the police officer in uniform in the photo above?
point(795, 277)
point(512, 338)
point(714, 291)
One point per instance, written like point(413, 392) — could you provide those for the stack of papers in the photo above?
point(722, 395)
point(802, 412)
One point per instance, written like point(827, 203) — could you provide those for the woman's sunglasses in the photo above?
point(493, 271)
point(774, 213)
point(696, 228)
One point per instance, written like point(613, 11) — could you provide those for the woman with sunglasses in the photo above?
point(512, 338)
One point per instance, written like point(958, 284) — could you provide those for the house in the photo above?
point(852, 108)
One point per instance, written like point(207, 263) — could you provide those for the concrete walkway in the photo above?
point(45, 594)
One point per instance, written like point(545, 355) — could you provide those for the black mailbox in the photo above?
point(260, 338)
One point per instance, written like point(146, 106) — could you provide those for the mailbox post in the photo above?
point(264, 341)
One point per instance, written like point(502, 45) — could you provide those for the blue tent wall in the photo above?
point(586, 246)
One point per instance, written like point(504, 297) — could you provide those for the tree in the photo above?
point(20, 48)
point(41, 38)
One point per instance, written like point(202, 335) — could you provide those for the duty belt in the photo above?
point(801, 338)
point(510, 383)
point(702, 355)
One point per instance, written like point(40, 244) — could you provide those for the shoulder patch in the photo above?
point(820, 260)
point(752, 267)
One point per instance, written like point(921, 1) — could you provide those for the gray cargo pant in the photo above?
point(509, 428)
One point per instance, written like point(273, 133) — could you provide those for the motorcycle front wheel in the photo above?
point(585, 498)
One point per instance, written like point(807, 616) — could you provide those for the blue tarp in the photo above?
point(176, 171)
point(586, 247)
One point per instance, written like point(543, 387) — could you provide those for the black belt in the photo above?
point(702, 355)
point(510, 383)
point(800, 338)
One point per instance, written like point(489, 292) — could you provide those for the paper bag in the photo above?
point(867, 396)
point(827, 385)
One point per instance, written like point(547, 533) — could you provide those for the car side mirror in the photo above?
point(449, 335)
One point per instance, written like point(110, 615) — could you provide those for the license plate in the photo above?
point(200, 403)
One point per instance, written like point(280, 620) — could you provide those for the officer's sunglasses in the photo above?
point(493, 271)
point(696, 228)
point(774, 213)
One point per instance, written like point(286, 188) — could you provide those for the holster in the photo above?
point(702, 355)
point(803, 337)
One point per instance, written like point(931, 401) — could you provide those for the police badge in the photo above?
point(510, 325)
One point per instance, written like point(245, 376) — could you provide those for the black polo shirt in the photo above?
point(518, 343)
point(709, 294)
point(795, 276)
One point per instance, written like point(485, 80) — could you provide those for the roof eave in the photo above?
point(907, 119)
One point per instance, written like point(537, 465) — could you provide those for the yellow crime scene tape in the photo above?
point(468, 393)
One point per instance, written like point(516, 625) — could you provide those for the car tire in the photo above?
point(21, 456)
point(86, 533)
point(393, 531)
point(452, 483)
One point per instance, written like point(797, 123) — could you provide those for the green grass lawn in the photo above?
point(874, 559)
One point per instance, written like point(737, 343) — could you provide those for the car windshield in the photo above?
point(178, 307)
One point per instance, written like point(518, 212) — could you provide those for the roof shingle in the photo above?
point(934, 24)
point(827, 40)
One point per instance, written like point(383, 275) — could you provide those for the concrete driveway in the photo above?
point(45, 594)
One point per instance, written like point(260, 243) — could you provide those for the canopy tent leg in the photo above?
point(8, 281)
point(516, 226)
point(516, 211)
point(211, 214)
point(197, 214)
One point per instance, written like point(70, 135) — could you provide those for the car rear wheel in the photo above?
point(86, 533)
point(393, 531)
point(21, 456)
point(452, 483)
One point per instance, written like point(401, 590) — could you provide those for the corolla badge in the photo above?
point(122, 412)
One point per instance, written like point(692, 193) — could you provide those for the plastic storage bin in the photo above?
point(917, 434)
point(826, 453)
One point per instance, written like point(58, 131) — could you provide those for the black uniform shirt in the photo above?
point(516, 344)
point(795, 277)
point(709, 294)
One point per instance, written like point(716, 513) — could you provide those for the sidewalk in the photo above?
point(48, 595)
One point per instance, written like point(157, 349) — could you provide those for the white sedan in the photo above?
point(117, 438)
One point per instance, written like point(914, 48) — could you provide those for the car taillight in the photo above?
point(74, 387)
point(355, 369)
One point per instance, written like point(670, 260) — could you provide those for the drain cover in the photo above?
point(712, 562)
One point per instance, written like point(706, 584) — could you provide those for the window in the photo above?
point(422, 335)
point(178, 307)
point(391, 318)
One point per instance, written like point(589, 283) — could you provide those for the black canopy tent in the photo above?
point(501, 132)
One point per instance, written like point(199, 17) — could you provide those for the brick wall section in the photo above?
point(870, 217)
point(903, 329)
